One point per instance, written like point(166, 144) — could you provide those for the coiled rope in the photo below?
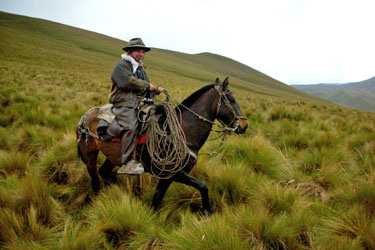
point(166, 143)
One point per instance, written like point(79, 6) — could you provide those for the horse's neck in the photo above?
point(197, 129)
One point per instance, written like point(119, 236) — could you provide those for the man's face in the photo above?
point(138, 54)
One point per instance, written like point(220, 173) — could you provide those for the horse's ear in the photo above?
point(226, 83)
point(217, 82)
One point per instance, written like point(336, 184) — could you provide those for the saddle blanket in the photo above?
point(140, 140)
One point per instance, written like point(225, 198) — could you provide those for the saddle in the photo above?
point(146, 109)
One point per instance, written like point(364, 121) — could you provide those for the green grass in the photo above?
point(302, 177)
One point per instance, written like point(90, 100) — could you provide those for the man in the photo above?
point(130, 85)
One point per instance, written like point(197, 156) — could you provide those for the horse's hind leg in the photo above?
point(105, 171)
point(93, 171)
point(189, 180)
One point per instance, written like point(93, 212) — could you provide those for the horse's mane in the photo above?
point(193, 97)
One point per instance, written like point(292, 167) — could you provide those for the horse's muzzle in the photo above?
point(241, 129)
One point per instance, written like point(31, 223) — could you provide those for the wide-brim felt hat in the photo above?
point(136, 43)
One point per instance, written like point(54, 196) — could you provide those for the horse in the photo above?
point(197, 114)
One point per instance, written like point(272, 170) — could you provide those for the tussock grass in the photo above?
point(20, 231)
point(230, 184)
point(302, 177)
point(275, 198)
point(119, 217)
point(282, 112)
point(256, 153)
point(14, 162)
point(32, 192)
point(33, 139)
point(317, 159)
point(77, 236)
point(30, 215)
point(57, 161)
point(216, 232)
point(262, 230)
point(353, 224)
point(362, 192)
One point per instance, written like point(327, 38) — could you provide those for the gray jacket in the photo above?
point(127, 87)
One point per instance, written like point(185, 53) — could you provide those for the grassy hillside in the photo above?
point(357, 95)
point(39, 42)
point(302, 177)
point(349, 98)
point(365, 86)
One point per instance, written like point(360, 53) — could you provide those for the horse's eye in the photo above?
point(230, 98)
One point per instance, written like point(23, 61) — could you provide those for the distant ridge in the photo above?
point(357, 95)
point(366, 86)
point(39, 42)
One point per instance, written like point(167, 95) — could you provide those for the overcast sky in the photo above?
point(294, 41)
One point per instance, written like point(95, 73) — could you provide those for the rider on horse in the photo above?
point(130, 85)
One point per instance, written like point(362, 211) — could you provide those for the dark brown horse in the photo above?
point(198, 113)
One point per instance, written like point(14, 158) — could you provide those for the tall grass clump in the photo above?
point(30, 212)
point(32, 138)
point(264, 230)
point(296, 140)
point(4, 138)
point(276, 198)
point(256, 153)
point(228, 183)
point(77, 235)
point(14, 162)
point(24, 231)
point(362, 191)
point(315, 159)
point(282, 112)
point(215, 232)
point(352, 226)
point(31, 191)
point(118, 218)
point(55, 160)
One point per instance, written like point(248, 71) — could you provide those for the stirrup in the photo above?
point(131, 168)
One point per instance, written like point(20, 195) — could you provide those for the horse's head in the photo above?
point(228, 110)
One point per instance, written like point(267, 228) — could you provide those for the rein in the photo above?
point(223, 128)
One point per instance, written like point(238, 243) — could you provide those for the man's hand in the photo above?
point(157, 89)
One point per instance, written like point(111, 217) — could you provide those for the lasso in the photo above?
point(166, 143)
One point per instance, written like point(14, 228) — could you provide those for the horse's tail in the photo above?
point(79, 151)
point(83, 131)
point(80, 154)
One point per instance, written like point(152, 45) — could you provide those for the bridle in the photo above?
point(236, 118)
point(224, 129)
point(222, 96)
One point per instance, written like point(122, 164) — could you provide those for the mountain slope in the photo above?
point(349, 98)
point(358, 95)
point(365, 86)
point(39, 42)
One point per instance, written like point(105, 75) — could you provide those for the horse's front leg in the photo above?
point(189, 180)
point(161, 188)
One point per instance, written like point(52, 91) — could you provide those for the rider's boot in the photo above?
point(133, 167)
